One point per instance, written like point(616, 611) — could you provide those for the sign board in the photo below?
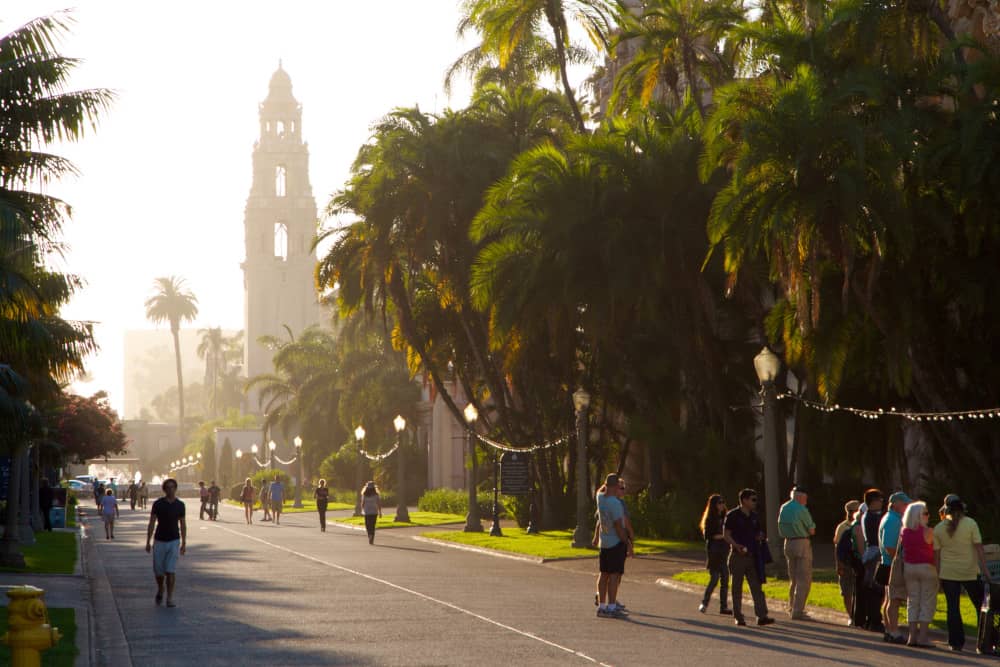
point(515, 478)
point(4, 476)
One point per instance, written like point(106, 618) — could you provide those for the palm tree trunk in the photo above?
point(10, 553)
point(557, 21)
point(180, 383)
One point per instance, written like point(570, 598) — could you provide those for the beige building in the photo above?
point(280, 224)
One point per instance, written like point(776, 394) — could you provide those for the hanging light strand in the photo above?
point(379, 457)
point(526, 449)
point(909, 415)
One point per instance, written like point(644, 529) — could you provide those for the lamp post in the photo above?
point(767, 364)
point(581, 536)
point(239, 463)
point(302, 474)
point(472, 524)
point(495, 528)
point(359, 436)
point(271, 446)
point(402, 514)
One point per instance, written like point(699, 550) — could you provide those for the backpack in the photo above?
point(846, 553)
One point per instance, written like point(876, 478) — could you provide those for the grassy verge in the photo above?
point(64, 652)
point(825, 592)
point(307, 506)
point(552, 543)
point(416, 519)
point(52, 553)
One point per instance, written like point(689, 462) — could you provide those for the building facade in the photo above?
point(280, 224)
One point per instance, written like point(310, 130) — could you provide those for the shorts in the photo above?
point(276, 506)
point(108, 518)
point(846, 581)
point(165, 555)
point(613, 559)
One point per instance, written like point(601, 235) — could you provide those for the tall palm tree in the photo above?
point(211, 349)
point(506, 24)
point(173, 303)
point(40, 349)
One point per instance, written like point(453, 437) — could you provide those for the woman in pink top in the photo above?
point(920, 573)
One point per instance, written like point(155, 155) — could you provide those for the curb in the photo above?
point(821, 614)
point(109, 633)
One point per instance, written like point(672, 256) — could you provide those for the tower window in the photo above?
point(281, 241)
point(279, 127)
point(279, 181)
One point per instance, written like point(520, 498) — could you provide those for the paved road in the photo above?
point(290, 595)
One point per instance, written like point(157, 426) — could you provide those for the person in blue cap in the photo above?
point(889, 530)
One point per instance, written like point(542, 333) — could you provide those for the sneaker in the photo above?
point(740, 621)
point(897, 640)
point(702, 607)
point(765, 620)
point(801, 616)
point(603, 613)
point(726, 612)
point(617, 612)
point(159, 599)
point(619, 607)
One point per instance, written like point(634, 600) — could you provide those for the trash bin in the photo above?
point(57, 517)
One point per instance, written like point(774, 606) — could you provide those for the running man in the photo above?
point(167, 517)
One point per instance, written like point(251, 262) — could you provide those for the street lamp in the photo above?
point(767, 364)
point(472, 524)
point(359, 436)
point(239, 463)
point(402, 513)
point(581, 536)
point(271, 446)
point(302, 474)
point(495, 528)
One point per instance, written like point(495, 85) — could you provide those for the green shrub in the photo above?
point(340, 469)
point(455, 501)
point(664, 518)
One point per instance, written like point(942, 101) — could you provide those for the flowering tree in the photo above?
point(88, 428)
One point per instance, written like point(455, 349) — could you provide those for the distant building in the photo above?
point(150, 367)
point(151, 443)
point(280, 224)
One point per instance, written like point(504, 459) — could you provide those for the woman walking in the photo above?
point(917, 544)
point(247, 497)
point(958, 545)
point(109, 512)
point(322, 496)
point(717, 549)
point(371, 507)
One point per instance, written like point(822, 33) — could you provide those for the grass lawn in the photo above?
point(52, 553)
point(307, 506)
point(416, 519)
point(552, 543)
point(64, 652)
point(825, 592)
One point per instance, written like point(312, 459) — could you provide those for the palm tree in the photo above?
point(172, 302)
point(40, 350)
point(675, 37)
point(210, 348)
point(506, 24)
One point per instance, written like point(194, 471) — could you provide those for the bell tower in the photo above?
point(279, 224)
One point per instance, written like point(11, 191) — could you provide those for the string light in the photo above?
point(877, 413)
point(526, 449)
point(379, 457)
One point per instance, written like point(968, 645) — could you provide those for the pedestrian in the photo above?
point(615, 548)
point(958, 545)
point(889, 530)
point(845, 567)
point(203, 496)
point(143, 495)
point(265, 498)
point(868, 593)
point(45, 500)
point(796, 525)
point(620, 494)
point(627, 523)
point(717, 550)
point(277, 495)
point(214, 496)
point(371, 507)
point(109, 512)
point(916, 543)
point(99, 494)
point(322, 496)
point(169, 539)
point(132, 493)
point(744, 534)
point(247, 497)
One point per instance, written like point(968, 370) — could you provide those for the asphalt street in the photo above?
point(291, 595)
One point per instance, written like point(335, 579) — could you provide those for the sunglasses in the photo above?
point(753, 500)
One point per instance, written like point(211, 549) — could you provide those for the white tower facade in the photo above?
point(279, 224)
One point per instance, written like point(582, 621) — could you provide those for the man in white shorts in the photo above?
point(167, 517)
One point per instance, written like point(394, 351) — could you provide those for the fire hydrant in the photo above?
point(28, 631)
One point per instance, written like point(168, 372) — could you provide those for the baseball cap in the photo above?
point(951, 500)
point(852, 506)
point(899, 497)
point(798, 488)
point(611, 479)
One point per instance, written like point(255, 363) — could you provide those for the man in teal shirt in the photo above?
point(796, 525)
point(889, 530)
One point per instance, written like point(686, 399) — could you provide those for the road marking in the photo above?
point(443, 603)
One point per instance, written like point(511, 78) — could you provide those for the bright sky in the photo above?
point(165, 179)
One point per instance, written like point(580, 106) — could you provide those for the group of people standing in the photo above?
point(885, 559)
point(210, 497)
point(890, 557)
point(272, 500)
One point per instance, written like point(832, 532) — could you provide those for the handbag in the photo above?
point(897, 569)
point(882, 574)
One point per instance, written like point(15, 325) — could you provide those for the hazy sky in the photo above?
point(165, 178)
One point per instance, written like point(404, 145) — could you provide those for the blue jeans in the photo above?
point(953, 595)
point(718, 574)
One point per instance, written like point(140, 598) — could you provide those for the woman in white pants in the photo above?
point(920, 572)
